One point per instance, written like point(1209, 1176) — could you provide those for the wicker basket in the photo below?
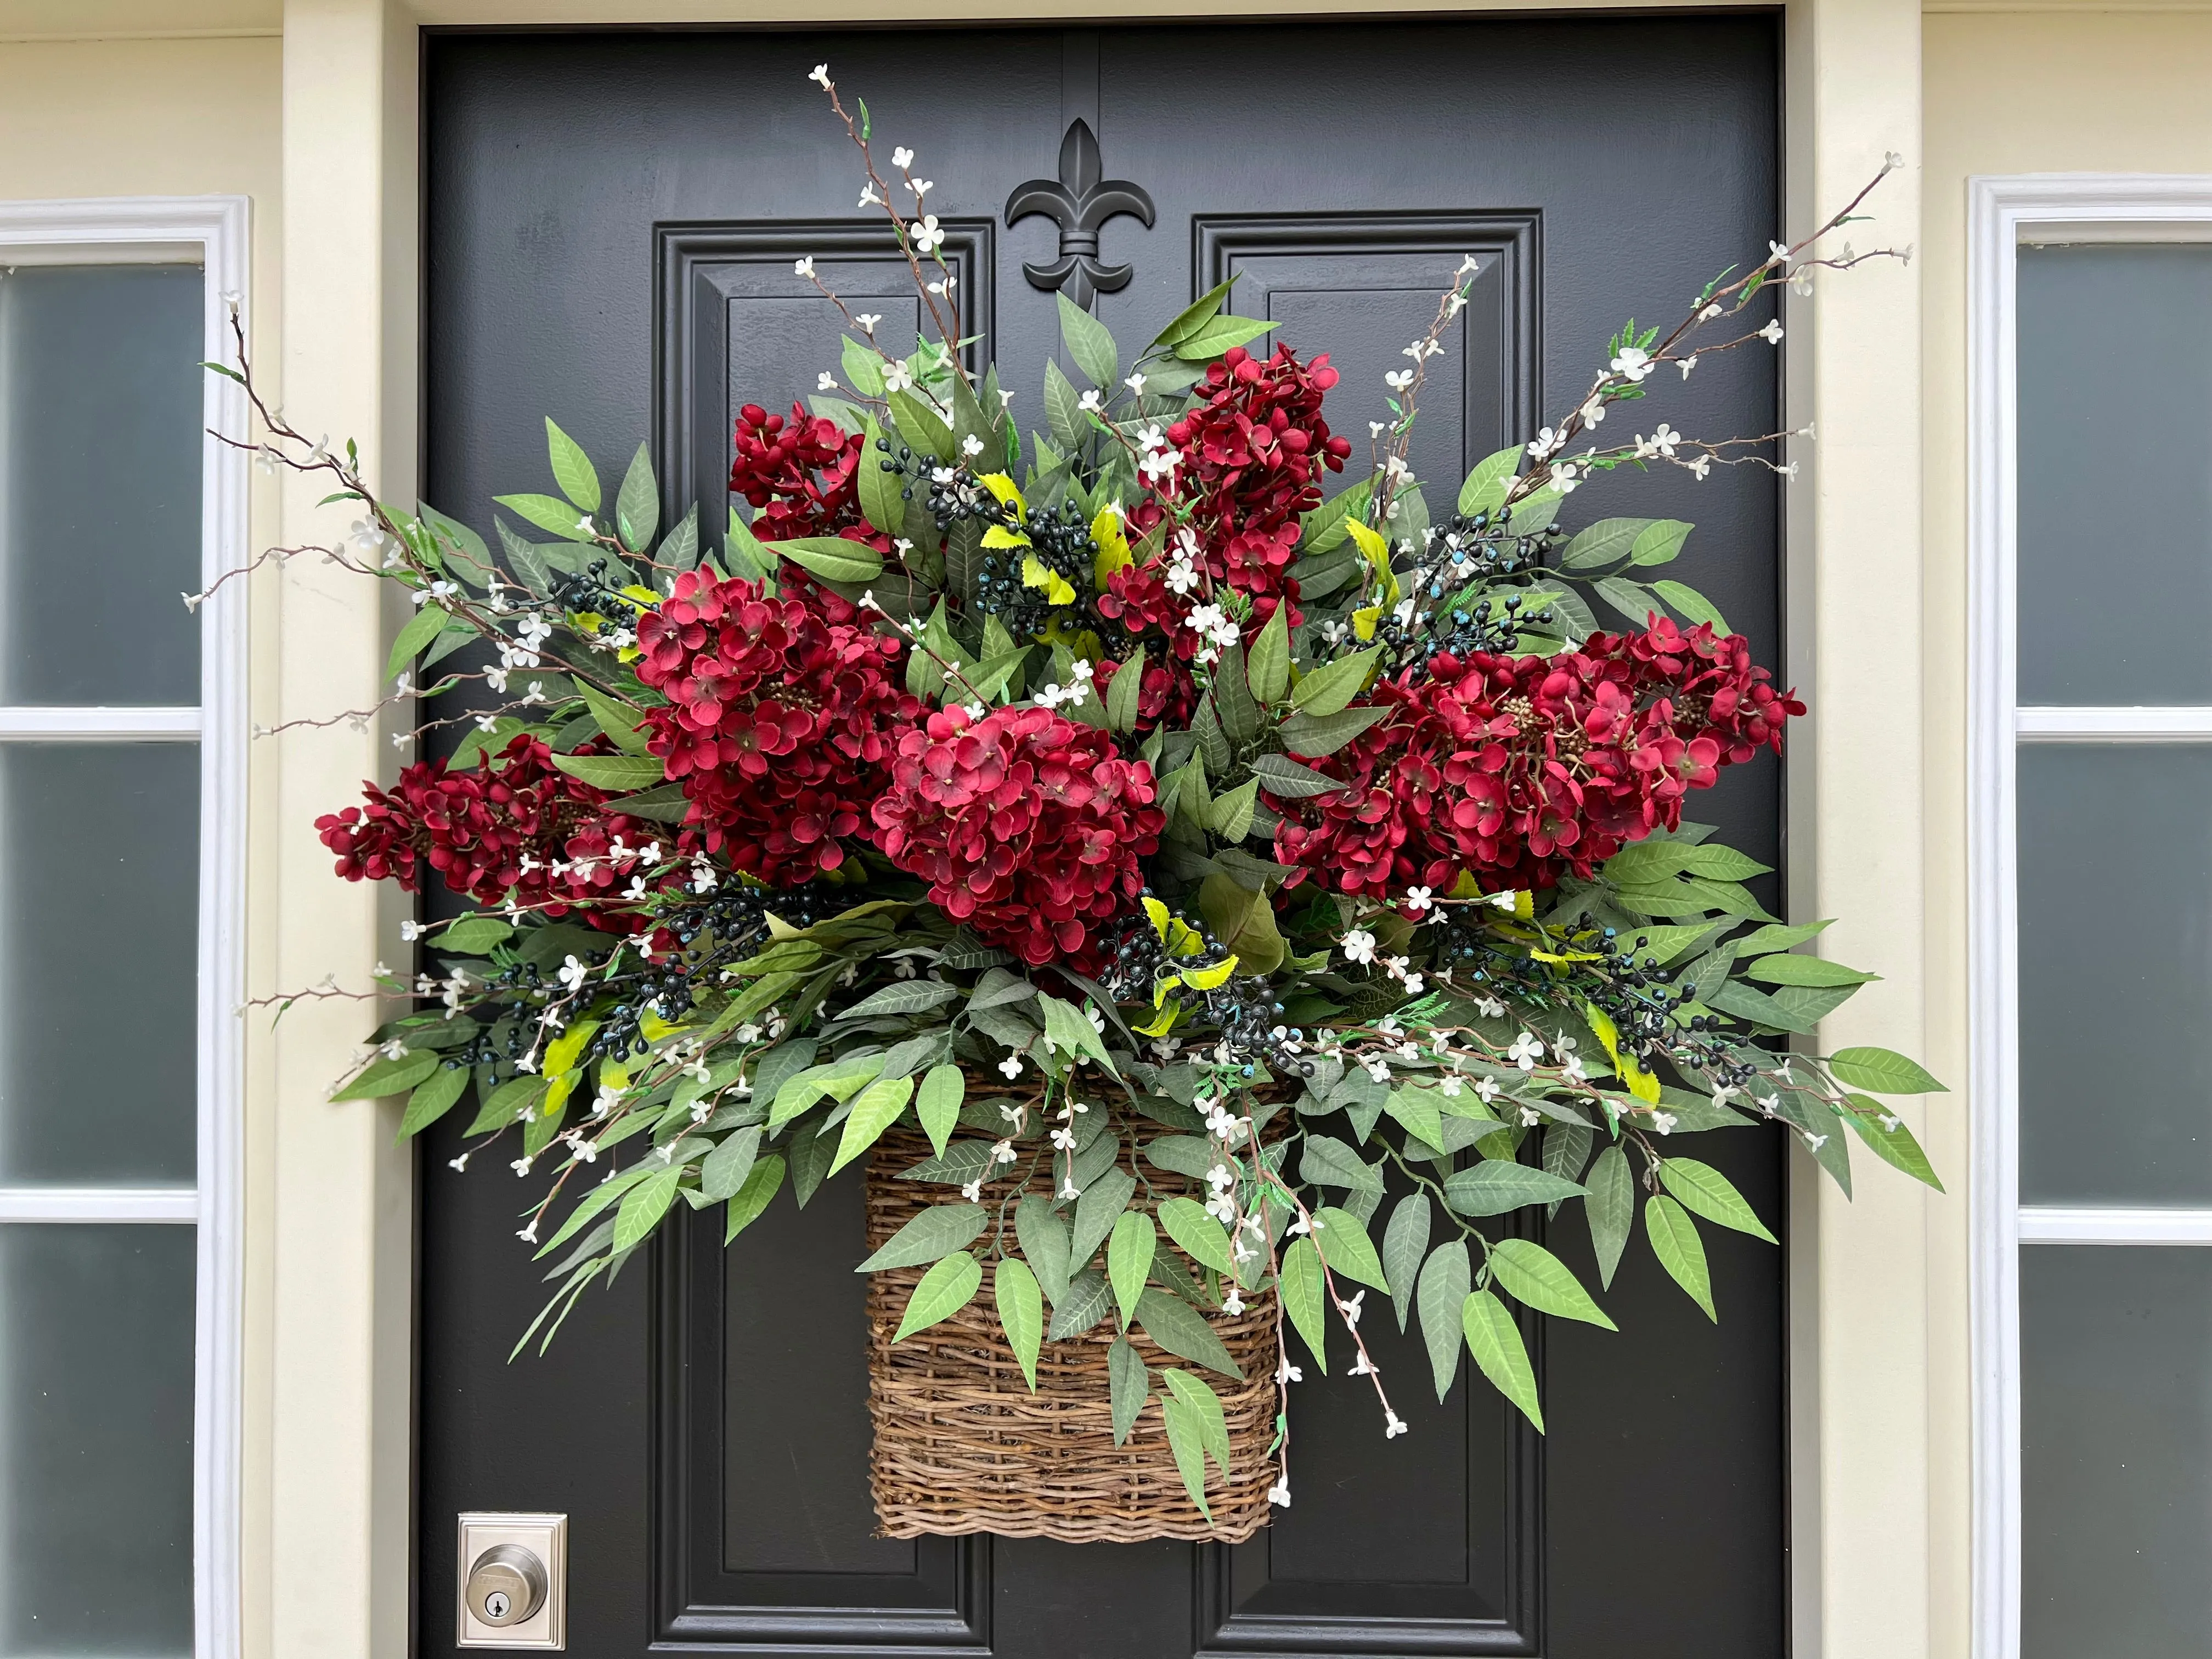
point(962, 1445)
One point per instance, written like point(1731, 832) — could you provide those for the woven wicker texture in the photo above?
point(962, 1445)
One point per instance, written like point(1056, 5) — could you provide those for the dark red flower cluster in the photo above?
point(514, 824)
point(1253, 451)
point(1027, 825)
point(782, 711)
point(800, 472)
point(1517, 770)
point(1166, 692)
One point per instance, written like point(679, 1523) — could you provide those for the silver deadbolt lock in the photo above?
point(507, 1584)
point(513, 1573)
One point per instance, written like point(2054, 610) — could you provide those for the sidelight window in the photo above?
point(120, 796)
point(2093, 887)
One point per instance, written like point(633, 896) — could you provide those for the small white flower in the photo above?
point(898, 377)
point(902, 158)
point(1633, 362)
point(1414, 982)
point(1571, 1069)
point(1814, 1143)
point(1700, 467)
point(869, 198)
point(1279, 1493)
point(1286, 1372)
point(1687, 364)
point(1069, 1189)
point(1393, 1426)
point(920, 187)
point(1003, 1152)
point(1398, 380)
point(1351, 1309)
point(1663, 440)
point(1663, 1122)
point(820, 76)
point(1359, 945)
point(868, 319)
point(1526, 1051)
point(971, 1190)
point(1220, 1177)
point(1772, 332)
point(804, 267)
point(572, 973)
point(1090, 403)
point(1010, 1065)
point(1777, 254)
point(1136, 385)
point(928, 235)
point(971, 445)
point(1418, 899)
point(520, 1166)
point(1546, 439)
point(1362, 1366)
point(826, 381)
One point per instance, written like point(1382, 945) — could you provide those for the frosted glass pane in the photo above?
point(2115, 463)
point(95, 1441)
point(100, 482)
point(2115, 974)
point(99, 925)
point(2115, 1452)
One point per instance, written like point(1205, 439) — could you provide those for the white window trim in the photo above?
point(213, 231)
point(2002, 214)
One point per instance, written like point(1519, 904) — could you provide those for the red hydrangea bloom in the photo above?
point(800, 472)
point(1027, 825)
point(782, 710)
point(497, 829)
point(1517, 769)
point(1253, 451)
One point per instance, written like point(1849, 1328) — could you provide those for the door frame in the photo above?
point(1877, 1572)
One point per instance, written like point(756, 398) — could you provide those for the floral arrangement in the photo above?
point(1116, 797)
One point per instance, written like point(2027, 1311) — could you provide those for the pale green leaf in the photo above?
point(1305, 1297)
point(1129, 1259)
point(1883, 1071)
point(944, 1290)
point(1494, 1339)
point(1703, 1190)
point(1609, 1209)
point(1528, 1272)
point(937, 1231)
point(1405, 1243)
point(939, 1108)
point(1021, 1312)
point(1128, 1388)
point(572, 468)
point(1674, 1241)
point(1446, 1277)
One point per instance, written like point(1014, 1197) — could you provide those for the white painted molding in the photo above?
point(2062, 1224)
point(2116, 725)
point(98, 1204)
point(211, 231)
point(30, 725)
point(2003, 215)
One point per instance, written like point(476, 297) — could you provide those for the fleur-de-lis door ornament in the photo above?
point(1080, 202)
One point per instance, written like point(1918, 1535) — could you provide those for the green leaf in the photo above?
point(1496, 1186)
point(508, 1104)
point(1196, 1233)
point(750, 1200)
point(1089, 1295)
point(474, 936)
point(1658, 542)
point(1125, 696)
point(1314, 737)
point(1776, 937)
point(618, 721)
point(730, 1165)
point(1328, 1162)
point(937, 1231)
point(746, 554)
point(1129, 1259)
point(1185, 1433)
point(1486, 485)
point(1231, 819)
point(1674, 1241)
point(1883, 1071)
point(572, 468)
point(1217, 335)
point(939, 1108)
point(1445, 1280)
point(1344, 1244)
point(620, 774)
point(548, 513)
point(921, 427)
point(1605, 542)
point(1043, 1237)
point(1689, 603)
point(864, 367)
point(1232, 697)
point(1531, 1273)
point(1494, 1339)
point(880, 501)
point(389, 1077)
point(944, 1290)
point(876, 1107)
point(1128, 1386)
point(1063, 409)
point(433, 1098)
point(1067, 1028)
point(1331, 687)
point(644, 1205)
point(1873, 1122)
point(422, 627)
point(1417, 1111)
point(1184, 1332)
point(1703, 1190)
point(1609, 1209)
point(1021, 1312)
point(1198, 1394)
point(833, 558)
point(637, 503)
point(1282, 777)
point(908, 997)
point(1089, 345)
point(1631, 599)
point(1268, 671)
point(1405, 1242)
point(1817, 971)
point(1188, 321)
point(1305, 1295)
point(1096, 1211)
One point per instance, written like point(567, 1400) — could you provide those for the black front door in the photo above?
point(612, 222)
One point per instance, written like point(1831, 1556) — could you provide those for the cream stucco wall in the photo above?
point(2005, 92)
point(183, 117)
